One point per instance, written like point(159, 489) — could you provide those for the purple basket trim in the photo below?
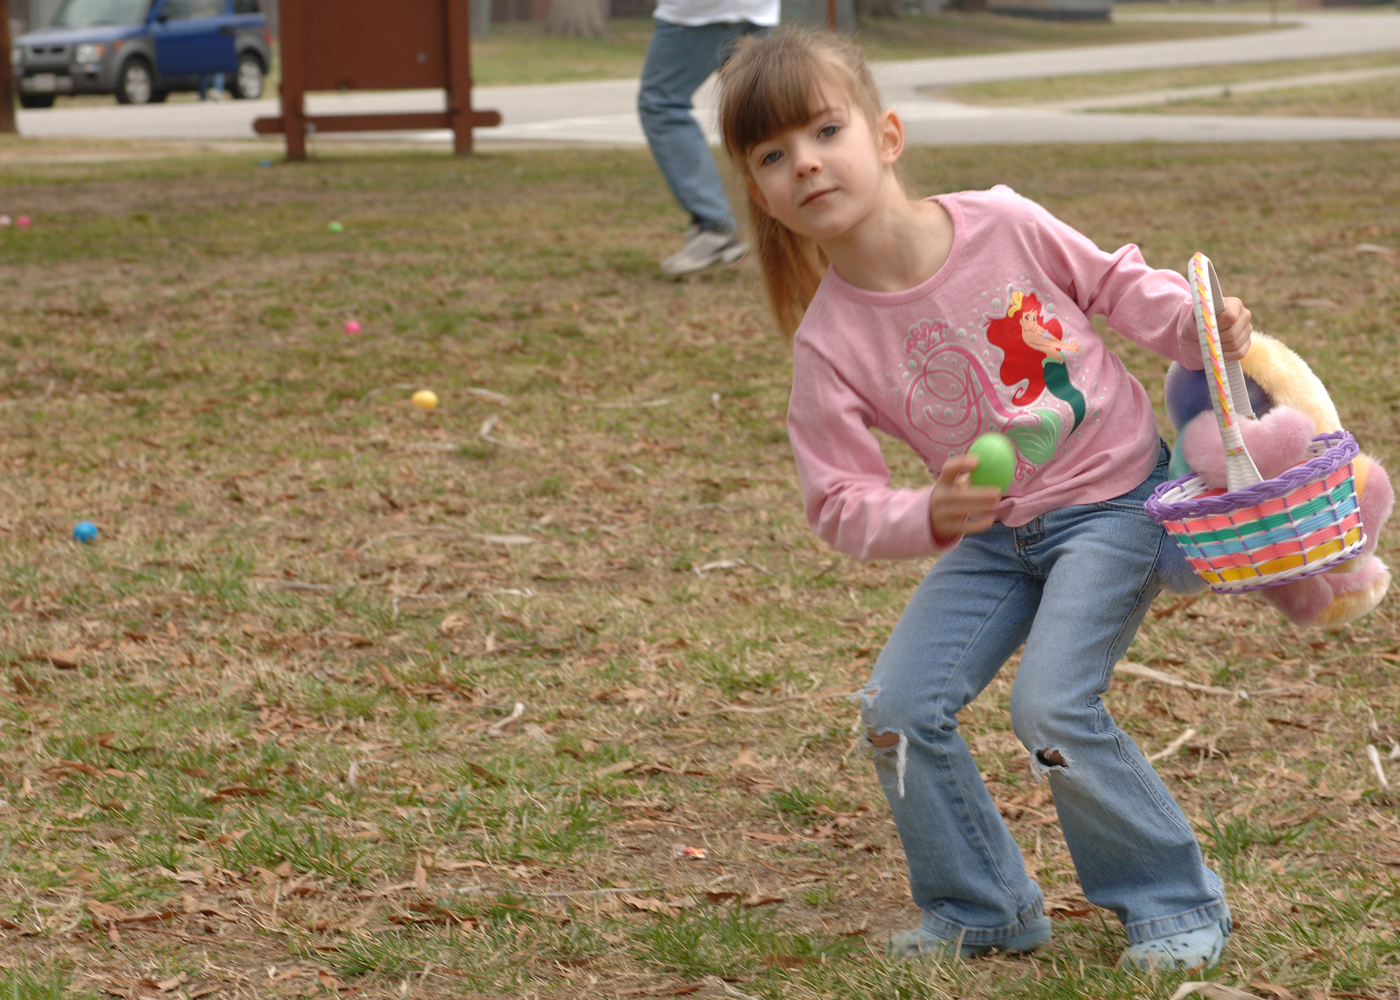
point(1341, 448)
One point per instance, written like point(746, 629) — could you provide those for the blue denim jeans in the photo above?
point(679, 59)
point(1073, 586)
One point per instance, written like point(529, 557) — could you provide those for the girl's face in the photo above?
point(823, 178)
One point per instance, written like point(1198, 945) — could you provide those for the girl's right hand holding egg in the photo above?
point(956, 507)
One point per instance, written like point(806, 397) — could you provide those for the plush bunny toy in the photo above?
point(1292, 406)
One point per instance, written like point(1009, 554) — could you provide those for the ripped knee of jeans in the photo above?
point(1048, 760)
point(890, 742)
point(866, 695)
point(883, 740)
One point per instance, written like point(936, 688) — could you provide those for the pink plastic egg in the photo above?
point(352, 327)
point(23, 222)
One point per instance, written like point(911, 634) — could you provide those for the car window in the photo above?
point(184, 10)
point(246, 7)
point(87, 13)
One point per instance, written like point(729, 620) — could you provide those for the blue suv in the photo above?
point(141, 50)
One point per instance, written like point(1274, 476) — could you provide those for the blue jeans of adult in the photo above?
point(679, 59)
point(1073, 586)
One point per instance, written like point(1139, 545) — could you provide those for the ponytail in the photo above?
point(792, 268)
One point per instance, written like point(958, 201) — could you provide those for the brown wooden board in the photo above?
point(367, 45)
point(370, 45)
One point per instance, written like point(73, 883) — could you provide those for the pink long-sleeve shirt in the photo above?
point(998, 339)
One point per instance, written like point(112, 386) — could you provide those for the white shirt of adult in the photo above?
point(692, 13)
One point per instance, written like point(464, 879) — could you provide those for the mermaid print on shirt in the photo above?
point(1035, 350)
point(1012, 375)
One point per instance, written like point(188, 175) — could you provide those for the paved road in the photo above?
point(603, 111)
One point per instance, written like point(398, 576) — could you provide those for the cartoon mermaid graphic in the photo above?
point(1034, 349)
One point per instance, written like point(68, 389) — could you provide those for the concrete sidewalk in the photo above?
point(605, 111)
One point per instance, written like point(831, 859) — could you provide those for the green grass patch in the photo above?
point(1049, 90)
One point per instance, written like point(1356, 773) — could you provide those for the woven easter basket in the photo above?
point(1260, 532)
point(1299, 523)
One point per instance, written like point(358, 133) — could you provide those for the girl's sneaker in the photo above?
point(920, 943)
point(1192, 950)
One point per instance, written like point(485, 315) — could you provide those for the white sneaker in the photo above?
point(704, 249)
point(1189, 951)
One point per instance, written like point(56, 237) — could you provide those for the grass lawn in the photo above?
point(1379, 98)
point(353, 699)
point(1092, 85)
point(1233, 8)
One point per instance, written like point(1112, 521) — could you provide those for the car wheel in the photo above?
point(248, 81)
point(134, 83)
point(36, 100)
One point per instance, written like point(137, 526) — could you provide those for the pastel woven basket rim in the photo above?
point(1339, 447)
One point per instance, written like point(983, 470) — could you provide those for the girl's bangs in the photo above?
point(771, 99)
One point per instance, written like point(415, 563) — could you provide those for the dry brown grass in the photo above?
point(260, 734)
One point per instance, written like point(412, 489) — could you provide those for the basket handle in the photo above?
point(1239, 393)
point(1228, 394)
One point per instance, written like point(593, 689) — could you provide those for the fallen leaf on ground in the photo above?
point(1215, 991)
point(770, 838)
point(67, 659)
point(484, 774)
point(745, 758)
point(649, 905)
point(238, 791)
point(455, 624)
point(760, 900)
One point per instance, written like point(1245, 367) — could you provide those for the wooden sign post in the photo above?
point(344, 45)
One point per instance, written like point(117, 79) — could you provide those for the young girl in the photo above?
point(935, 321)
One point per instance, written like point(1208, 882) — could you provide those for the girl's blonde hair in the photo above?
point(768, 86)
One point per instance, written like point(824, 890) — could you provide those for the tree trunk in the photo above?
point(578, 18)
point(880, 8)
point(7, 74)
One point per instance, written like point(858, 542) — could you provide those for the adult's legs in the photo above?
point(679, 59)
point(1133, 848)
point(970, 613)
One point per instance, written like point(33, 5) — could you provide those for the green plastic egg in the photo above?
point(996, 460)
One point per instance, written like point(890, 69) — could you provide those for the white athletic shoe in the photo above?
point(1189, 951)
point(704, 249)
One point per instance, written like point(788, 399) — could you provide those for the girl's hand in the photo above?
point(956, 507)
point(1235, 329)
